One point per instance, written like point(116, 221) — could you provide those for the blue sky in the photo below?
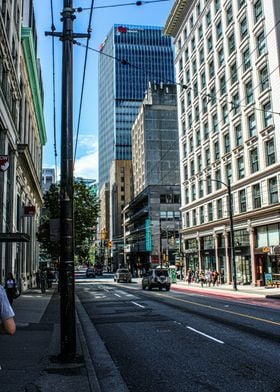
point(155, 14)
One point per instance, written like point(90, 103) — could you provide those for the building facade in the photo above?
point(227, 62)
point(48, 178)
point(22, 136)
point(152, 219)
point(130, 57)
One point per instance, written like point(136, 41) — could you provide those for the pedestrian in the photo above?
point(208, 277)
point(38, 279)
point(215, 278)
point(189, 276)
point(43, 278)
point(201, 278)
point(10, 287)
point(7, 323)
point(49, 278)
point(222, 276)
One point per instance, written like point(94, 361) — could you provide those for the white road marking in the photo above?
point(135, 303)
point(117, 295)
point(204, 334)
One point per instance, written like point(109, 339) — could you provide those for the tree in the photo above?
point(86, 209)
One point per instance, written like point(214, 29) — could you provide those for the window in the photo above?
point(192, 167)
point(180, 64)
point(233, 73)
point(221, 56)
point(201, 214)
point(249, 92)
point(267, 115)
point(261, 44)
point(219, 208)
point(182, 106)
point(241, 3)
point(242, 201)
point(243, 28)
point(194, 218)
point(193, 43)
point(201, 188)
point(238, 135)
point(188, 78)
point(199, 162)
point(201, 56)
point(185, 33)
point(272, 190)
point(258, 11)
point(190, 120)
point(228, 173)
point(189, 98)
point(193, 192)
point(213, 95)
point(195, 89)
point(198, 9)
point(206, 131)
point(186, 54)
point(219, 30)
point(215, 123)
point(209, 43)
point(246, 59)
point(207, 157)
point(196, 113)
point(210, 212)
point(257, 196)
point(223, 86)
point(208, 18)
point(270, 152)
point(227, 143)
point(191, 22)
point(209, 185)
point(218, 179)
point(235, 104)
point(229, 15)
point(231, 43)
point(211, 69)
point(200, 32)
point(203, 79)
point(204, 105)
point(187, 195)
point(187, 219)
point(225, 113)
point(194, 67)
point(216, 150)
point(191, 143)
point(264, 79)
point(252, 125)
point(254, 158)
point(217, 5)
point(198, 138)
point(240, 168)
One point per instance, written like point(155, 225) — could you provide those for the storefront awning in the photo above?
point(14, 237)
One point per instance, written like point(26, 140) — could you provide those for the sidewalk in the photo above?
point(243, 291)
point(27, 359)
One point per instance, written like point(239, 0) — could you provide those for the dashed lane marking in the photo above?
point(204, 334)
point(135, 303)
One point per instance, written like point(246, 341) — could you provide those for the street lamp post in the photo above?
point(230, 209)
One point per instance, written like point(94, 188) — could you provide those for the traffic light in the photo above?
point(109, 244)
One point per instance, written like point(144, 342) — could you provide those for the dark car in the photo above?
point(123, 275)
point(157, 277)
point(90, 273)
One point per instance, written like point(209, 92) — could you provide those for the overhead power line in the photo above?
point(137, 3)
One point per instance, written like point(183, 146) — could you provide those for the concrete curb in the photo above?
point(108, 376)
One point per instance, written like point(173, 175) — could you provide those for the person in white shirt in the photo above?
point(7, 322)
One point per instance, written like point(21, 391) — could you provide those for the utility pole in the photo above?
point(67, 284)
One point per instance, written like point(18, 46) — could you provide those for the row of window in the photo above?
point(206, 213)
point(254, 166)
point(228, 19)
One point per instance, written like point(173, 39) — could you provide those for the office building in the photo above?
point(227, 56)
point(131, 56)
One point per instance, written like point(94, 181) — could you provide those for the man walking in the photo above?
point(7, 323)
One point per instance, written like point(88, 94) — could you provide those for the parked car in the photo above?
point(90, 272)
point(157, 277)
point(122, 274)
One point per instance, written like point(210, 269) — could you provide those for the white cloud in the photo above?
point(87, 166)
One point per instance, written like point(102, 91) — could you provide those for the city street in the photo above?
point(184, 341)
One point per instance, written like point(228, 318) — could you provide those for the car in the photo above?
point(122, 274)
point(90, 273)
point(156, 277)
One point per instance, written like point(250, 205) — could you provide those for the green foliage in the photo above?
point(86, 209)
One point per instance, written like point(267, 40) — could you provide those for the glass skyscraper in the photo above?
point(130, 58)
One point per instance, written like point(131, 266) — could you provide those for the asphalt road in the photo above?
point(172, 341)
